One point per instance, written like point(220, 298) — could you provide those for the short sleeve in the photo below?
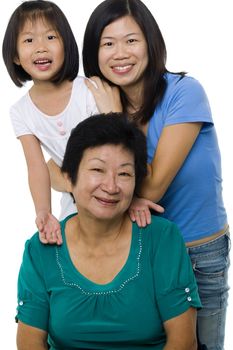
point(19, 126)
point(33, 300)
point(175, 284)
point(187, 102)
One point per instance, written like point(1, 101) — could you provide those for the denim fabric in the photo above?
point(210, 263)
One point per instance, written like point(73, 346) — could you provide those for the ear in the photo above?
point(17, 61)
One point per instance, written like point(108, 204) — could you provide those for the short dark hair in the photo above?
point(102, 129)
point(107, 12)
point(49, 11)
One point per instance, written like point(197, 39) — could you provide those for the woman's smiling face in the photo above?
point(105, 182)
point(123, 53)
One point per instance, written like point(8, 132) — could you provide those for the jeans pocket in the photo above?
point(210, 265)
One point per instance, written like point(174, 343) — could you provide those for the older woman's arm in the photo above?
point(31, 338)
point(181, 331)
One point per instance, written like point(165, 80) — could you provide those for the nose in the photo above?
point(40, 50)
point(40, 46)
point(110, 184)
point(121, 51)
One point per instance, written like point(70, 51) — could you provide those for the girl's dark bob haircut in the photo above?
point(106, 129)
point(50, 13)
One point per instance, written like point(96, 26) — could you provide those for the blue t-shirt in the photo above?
point(126, 313)
point(194, 198)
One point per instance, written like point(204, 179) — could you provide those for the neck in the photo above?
point(94, 232)
point(47, 86)
point(134, 97)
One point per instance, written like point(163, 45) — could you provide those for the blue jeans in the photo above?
point(210, 263)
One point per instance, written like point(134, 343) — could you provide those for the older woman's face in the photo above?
point(123, 53)
point(105, 182)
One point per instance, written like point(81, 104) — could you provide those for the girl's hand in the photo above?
point(49, 228)
point(139, 210)
point(107, 97)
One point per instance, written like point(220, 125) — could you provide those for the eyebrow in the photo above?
point(30, 33)
point(101, 160)
point(111, 37)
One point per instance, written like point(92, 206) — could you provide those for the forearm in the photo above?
point(30, 338)
point(188, 346)
point(39, 183)
point(153, 186)
point(57, 179)
point(181, 331)
point(32, 345)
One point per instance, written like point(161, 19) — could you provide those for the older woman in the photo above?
point(111, 285)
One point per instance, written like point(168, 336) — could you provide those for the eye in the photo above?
point(125, 174)
point(131, 41)
point(28, 40)
point(109, 43)
point(98, 170)
point(51, 37)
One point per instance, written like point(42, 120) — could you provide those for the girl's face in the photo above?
point(105, 182)
point(123, 54)
point(40, 50)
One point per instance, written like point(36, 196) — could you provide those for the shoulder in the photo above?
point(20, 103)
point(187, 84)
point(37, 252)
point(79, 82)
point(163, 231)
point(177, 81)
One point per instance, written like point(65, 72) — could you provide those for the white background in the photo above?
point(198, 35)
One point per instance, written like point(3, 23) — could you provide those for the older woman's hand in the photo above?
point(107, 97)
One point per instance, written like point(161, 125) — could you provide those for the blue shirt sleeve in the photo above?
point(33, 299)
point(186, 101)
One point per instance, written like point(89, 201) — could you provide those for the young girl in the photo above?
point(39, 45)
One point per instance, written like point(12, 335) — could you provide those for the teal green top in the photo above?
point(156, 283)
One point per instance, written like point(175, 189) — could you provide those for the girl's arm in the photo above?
point(31, 338)
point(173, 147)
point(58, 180)
point(39, 184)
point(181, 331)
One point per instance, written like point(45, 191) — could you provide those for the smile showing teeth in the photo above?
point(42, 62)
point(123, 68)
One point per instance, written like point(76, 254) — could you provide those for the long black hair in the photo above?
point(154, 81)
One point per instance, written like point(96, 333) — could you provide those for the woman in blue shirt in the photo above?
point(124, 47)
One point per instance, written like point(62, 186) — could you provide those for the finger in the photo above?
point(96, 81)
point(107, 87)
point(132, 216)
point(138, 221)
point(155, 207)
point(147, 216)
point(51, 237)
point(42, 238)
point(59, 237)
point(138, 218)
point(143, 218)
